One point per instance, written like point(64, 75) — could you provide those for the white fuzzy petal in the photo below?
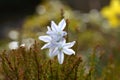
point(50, 33)
point(62, 24)
point(54, 26)
point(50, 52)
point(49, 29)
point(45, 38)
point(68, 51)
point(53, 52)
point(60, 57)
point(63, 41)
point(69, 45)
point(46, 46)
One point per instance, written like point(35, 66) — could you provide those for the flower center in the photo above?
point(59, 33)
point(60, 48)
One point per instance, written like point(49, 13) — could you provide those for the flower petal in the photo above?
point(45, 38)
point(68, 51)
point(62, 24)
point(54, 26)
point(53, 52)
point(69, 45)
point(50, 52)
point(60, 57)
point(49, 32)
point(46, 46)
point(49, 29)
point(63, 41)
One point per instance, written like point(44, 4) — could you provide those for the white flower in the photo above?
point(61, 49)
point(27, 43)
point(56, 31)
point(13, 45)
point(56, 42)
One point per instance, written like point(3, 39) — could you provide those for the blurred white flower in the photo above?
point(27, 43)
point(41, 9)
point(13, 45)
point(22, 45)
point(13, 34)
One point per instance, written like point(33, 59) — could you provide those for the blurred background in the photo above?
point(13, 12)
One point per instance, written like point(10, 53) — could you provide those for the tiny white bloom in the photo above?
point(13, 45)
point(61, 49)
point(56, 42)
point(27, 43)
point(56, 31)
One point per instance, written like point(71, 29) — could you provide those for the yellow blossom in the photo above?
point(112, 13)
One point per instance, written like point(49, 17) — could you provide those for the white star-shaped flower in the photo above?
point(61, 49)
point(56, 31)
point(56, 42)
